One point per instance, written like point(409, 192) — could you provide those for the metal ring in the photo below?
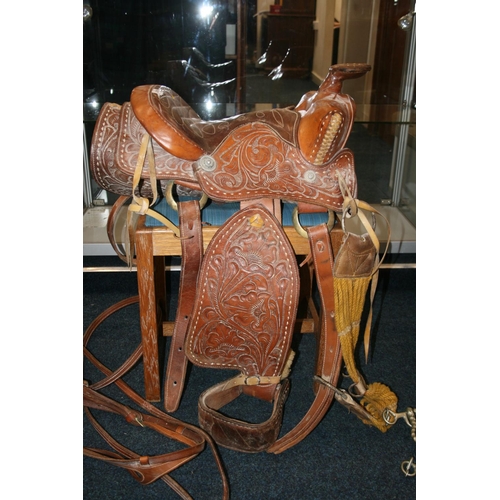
point(302, 232)
point(173, 204)
point(409, 467)
point(389, 417)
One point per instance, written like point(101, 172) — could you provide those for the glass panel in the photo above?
point(408, 203)
point(226, 57)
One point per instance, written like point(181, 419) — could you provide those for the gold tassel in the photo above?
point(349, 301)
point(378, 397)
point(350, 296)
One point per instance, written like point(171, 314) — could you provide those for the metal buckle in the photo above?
point(409, 467)
point(302, 232)
point(173, 204)
point(390, 417)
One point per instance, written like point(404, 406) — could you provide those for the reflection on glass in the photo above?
point(232, 56)
point(206, 10)
point(278, 72)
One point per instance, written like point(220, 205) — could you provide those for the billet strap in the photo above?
point(329, 358)
point(144, 469)
point(192, 253)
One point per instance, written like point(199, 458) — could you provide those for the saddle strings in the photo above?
point(141, 205)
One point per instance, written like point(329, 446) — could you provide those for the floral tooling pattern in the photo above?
point(245, 309)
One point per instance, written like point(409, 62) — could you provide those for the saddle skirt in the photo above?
point(244, 312)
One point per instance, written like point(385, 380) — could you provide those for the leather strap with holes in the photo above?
point(192, 252)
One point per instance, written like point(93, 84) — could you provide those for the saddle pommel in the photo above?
point(340, 72)
point(327, 115)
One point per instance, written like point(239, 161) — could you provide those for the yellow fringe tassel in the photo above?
point(377, 398)
point(350, 296)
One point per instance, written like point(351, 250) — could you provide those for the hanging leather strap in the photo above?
point(141, 205)
point(145, 469)
point(192, 252)
point(111, 224)
point(329, 358)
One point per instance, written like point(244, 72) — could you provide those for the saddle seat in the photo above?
point(179, 130)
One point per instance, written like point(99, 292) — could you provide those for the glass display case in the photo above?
point(226, 57)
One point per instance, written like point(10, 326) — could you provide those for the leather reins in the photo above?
point(145, 469)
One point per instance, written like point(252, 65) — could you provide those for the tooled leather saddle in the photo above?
point(238, 299)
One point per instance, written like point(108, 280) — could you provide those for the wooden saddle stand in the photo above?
point(238, 301)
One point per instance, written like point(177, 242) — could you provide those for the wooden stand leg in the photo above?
point(151, 286)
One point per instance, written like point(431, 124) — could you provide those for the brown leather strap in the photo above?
point(144, 469)
point(110, 226)
point(329, 359)
point(192, 252)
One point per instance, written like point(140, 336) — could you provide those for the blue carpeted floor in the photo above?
point(341, 459)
